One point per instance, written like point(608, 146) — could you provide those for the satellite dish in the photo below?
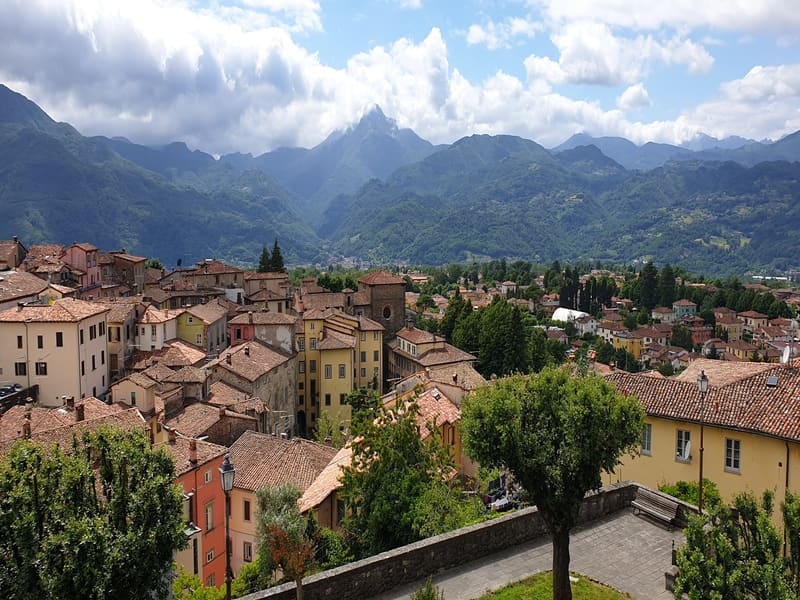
point(785, 355)
point(687, 450)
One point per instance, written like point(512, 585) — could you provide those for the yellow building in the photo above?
point(751, 428)
point(337, 353)
point(264, 460)
point(630, 341)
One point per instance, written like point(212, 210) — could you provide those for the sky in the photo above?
point(254, 75)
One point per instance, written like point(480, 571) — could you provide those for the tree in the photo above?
point(681, 336)
point(294, 554)
point(649, 286)
point(102, 521)
point(454, 312)
point(687, 491)
point(666, 286)
point(733, 555)
point(392, 468)
point(265, 261)
point(153, 263)
point(276, 262)
point(555, 433)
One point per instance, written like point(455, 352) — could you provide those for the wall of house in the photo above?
point(242, 530)
point(191, 329)
point(278, 336)
point(144, 399)
point(334, 387)
point(378, 574)
point(369, 342)
point(765, 461)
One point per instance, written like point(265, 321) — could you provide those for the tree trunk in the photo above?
point(562, 590)
point(299, 588)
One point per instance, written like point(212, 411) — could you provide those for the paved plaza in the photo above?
point(624, 551)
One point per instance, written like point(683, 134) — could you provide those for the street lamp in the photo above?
point(226, 474)
point(702, 386)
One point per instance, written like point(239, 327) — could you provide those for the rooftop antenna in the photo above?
point(785, 355)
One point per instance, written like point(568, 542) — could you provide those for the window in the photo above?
point(208, 477)
point(113, 334)
point(39, 342)
point(247, 552)
point(311, 326)
point(94, 364)
point(247, 510)
point(328, 371)
point(59, 339)
point(375, 335)
point(301, 344)
point(210, 555)
point(41, 368)
point(102, 357)
point(312, 366)
point(133, 398)
point(238, 333)
point(342, 398)
point(363, 372)
point(92, 331)
point(20, 369)
point(387, 312)
point(301, 366)
point(198, 340)
point(211, 581)
point(302, 400)
point(363, 356)
point(209, 516)
point(683, 446)
point(102, 328)
point(19, 341)
point(312, 343)
point(733, 455)
point(327, 399)
point(363, 336)
point(375, 371)
point(190, 319)
point(83, 368)
point(647, 439)
point(376, 355)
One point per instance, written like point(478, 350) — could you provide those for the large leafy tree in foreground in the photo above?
point(102, 521)
point(555, 433)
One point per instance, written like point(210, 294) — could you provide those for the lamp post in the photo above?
point(227, 473)
point(702, 386)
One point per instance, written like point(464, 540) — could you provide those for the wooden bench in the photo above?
point(655, 505)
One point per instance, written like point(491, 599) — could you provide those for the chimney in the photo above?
point(193, 451)
point(228, 358)
point(247, 350)
point(221, 411)
point(70, 401)
point(26, 426)
point(172, 436)
point(250, 316)
point(79, 412)
point(20, 306)
point(16, 239)
point(455, 378)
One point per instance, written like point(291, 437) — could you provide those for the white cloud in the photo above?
point(589, 53)
point(633, 97)
point(410, 4)
point(754, 16)
point(501, 35)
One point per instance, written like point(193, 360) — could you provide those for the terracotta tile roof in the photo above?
point(438, 356)
point(19, 284)
point(418, 336)
point(250, 360)
point(215, 266)
point(434, 407)
point(683, 302)
point(749, 404)
point(728, 320)
point(188, 374)
point(196, 419)
point(158, 372)
point(741, 345)
point(86, 246)
point(333, 340)
point(313, 314)
point(180, 452)
point(361, 299)
point(175, 353)
point(223, 394)
point(468, 377)
point(367, 324)
point(63, 310)
point(662, 310)
point(772, 331)
point(156, 295)
point(266, 460)
point(322, 301)
point(120, 311)
point(751, 314)
point(721, 372)
point(140, 379)
point(209, 313)
point(128, 257)
point(263, 317)
point(380, 278)
point(327, 481)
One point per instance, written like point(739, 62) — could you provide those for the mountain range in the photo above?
point(381, 193)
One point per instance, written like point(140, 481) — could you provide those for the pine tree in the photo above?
point(276, 264)
point(265, 262)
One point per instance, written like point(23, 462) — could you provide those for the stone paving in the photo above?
point(627, 552)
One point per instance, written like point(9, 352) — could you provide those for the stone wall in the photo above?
point(377, 574)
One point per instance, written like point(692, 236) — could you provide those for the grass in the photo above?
point(540, 587)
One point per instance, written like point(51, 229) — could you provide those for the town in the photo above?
point(231, 369)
